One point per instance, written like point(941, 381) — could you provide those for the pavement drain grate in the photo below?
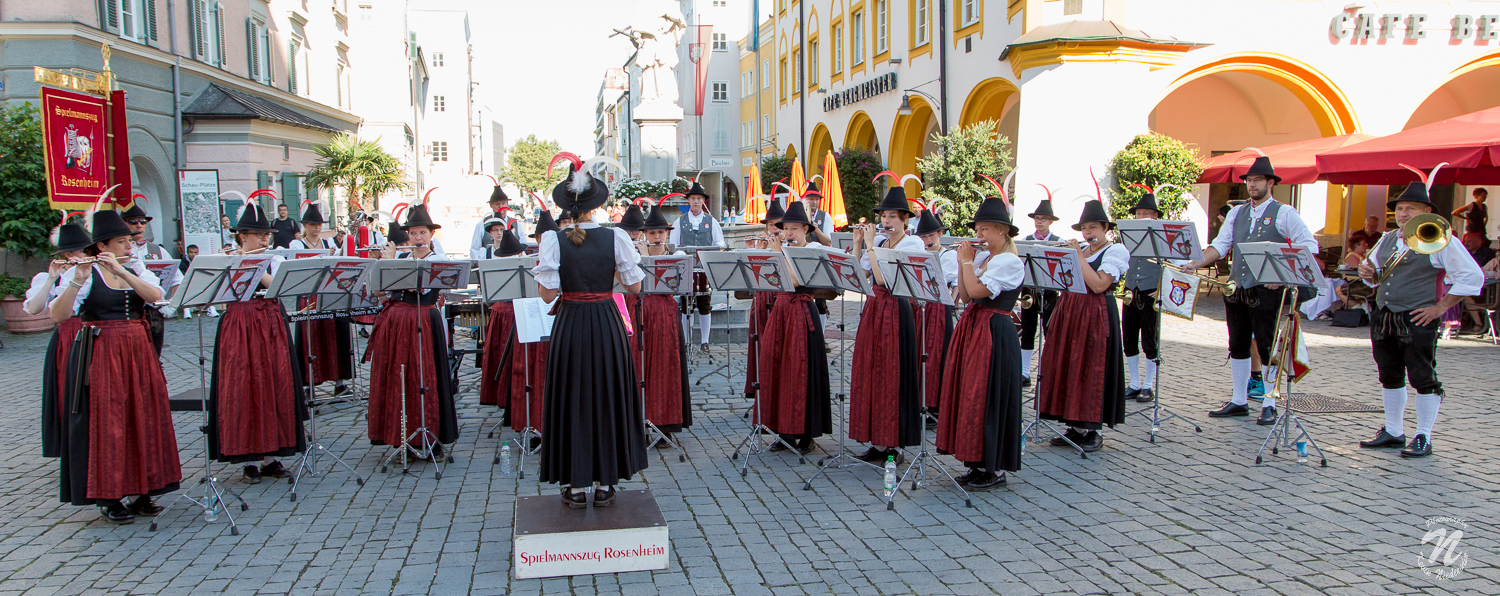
point(1313, 403)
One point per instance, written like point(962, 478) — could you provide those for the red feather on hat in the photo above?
point(427, 194)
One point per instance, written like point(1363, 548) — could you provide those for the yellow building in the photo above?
point(756, 87)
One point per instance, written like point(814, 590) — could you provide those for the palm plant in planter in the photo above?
point(26, 220)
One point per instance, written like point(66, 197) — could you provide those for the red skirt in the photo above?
point(253, 406)
point(760, 309)
point(530, 368)
point(394, 346)
point(120, 439)
point(500, 347)
point(333, 356)
point(981, 396)
point(54, 379)
point(1082, 375)
point(884, 390)
point(668, 397)
point(795, 401)
point(937, 327)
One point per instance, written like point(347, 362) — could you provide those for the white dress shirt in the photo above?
point(476, 245)
point(948, 258)
point(718, 233)
point(1460, 271)
point(627, 259)
point(298, 244)
point(1116, 261)
point(135, 266)
point(1005, 272)
point(1288, 222)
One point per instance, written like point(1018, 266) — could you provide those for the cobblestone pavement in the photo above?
point(1188, 513)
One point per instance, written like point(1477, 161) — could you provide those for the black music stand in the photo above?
point(204, 285)
point(1159, 240)
point(417, 275)
point(830, 269)
point(1277, 263)
point(1047, 268)
point(509, 279)
point(918, 276)
point(310, 278)
point(750, 271)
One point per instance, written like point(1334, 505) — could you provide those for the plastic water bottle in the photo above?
point(890, 476)
point(505, 458)
point(211, 514)
point(1301, 452)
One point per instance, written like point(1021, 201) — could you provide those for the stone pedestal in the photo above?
point(658, 124)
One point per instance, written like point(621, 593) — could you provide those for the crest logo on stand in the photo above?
point(1178, 294)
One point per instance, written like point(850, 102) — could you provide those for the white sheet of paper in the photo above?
point(533, 323)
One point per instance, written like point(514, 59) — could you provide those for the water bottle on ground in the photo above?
point(211, 514)
point(505, 458)
point(1301, 452)
point(890, 476)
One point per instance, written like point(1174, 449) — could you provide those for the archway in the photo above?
point(791, 151)
point(1256, 100)
point(817, 147)
point(861, 133)
point(909, 140)
point(994, 99)
point(1470, 88)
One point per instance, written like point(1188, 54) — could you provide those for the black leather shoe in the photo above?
point(1230, 410)
point(1267, 416)
point(970, 476)
point(573, 500)
point(872, 455)
point(806, 446)
point(1419, 447)
point(604, 497)
point(143, 506)
point(1072, 435)
point(777, 446)
point(274, 470)
point(987, 481)
point(252, 474)
point(1132, 393)
point(117, 513)
point(1092, 442)
point(1146, 396)
point(1383, 439)
point(1025, 381)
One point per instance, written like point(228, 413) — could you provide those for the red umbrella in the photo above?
point(1470, 144)
point(1295, 162)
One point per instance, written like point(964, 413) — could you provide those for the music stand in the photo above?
point(665, 275)
point(750, 271)
point(418, 275)
point(203, 286)
point(509, 279)
point(1279, 263)
point(842, 240)
point(918, 276)
point(315, 277)
point(1159, 240)
point(695, 357)
point(1048, 268)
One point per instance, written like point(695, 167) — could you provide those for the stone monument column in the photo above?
point(658, 124)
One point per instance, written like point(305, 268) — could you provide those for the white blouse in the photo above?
point(1003, 273)
point(135, 266)
point(908, 242)
point(298, 244)
point(627, 259)
point(948, 259)
point(1116, 261)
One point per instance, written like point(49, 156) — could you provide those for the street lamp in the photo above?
point(906, 109)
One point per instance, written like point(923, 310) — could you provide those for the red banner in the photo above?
point(75, 143)
point(699, 53)
point(119, 150)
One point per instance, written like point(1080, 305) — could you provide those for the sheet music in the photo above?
point(762, 270)
point(667, 274)
point(292, 254)
point(244, 277)
point(533, 321)
point(507, 278)
point(1051, 268)
point(1155, 238)
point(841, 272)
point(917, 273)
point(166, 271)
point(1278, 263)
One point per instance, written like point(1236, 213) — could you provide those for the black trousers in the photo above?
point(1140, 321)
point(1405, 351)
point(1251, 315)
point(700, 284)
point(1041, 308)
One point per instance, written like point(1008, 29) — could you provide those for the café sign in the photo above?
point(1371, 26)
point(876, 86)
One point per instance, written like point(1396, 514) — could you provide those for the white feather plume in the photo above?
point(88, 217)
point(580, 182)
point(1256, 150)
point(913, 177)
point(588, 165)
point(232, 192)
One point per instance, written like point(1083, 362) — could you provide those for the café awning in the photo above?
point(1295, 162)
point(1470, 144)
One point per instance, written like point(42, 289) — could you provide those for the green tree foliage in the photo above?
point(953, 172)
point(775, 168)
point(362, 168)
point(526, 164)
point(26, 219)
point(857, 170)
point(1154, 160)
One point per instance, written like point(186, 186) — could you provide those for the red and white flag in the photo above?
point(699, 51)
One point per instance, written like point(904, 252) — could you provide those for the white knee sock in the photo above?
point(1427, 410)
point(1148, 374)
point(1239, 375)
point(1395, 411)
point(1134, 362)
point(1026, 363)
point(822, 320)
point(703, 326)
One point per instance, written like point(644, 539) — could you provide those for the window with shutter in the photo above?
point(151, 19)
point(200, 22)
point(114, 13)
point(291, 68)
point(193, 32)
point(252, 62)
point(219, 53)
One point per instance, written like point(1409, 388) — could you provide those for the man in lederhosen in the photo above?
point(1043, 301)
point(1139, 319)
point(1250, 313)
point(1404, 330)
point(698, 228)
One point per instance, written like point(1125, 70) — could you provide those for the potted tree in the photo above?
point(26, 220)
